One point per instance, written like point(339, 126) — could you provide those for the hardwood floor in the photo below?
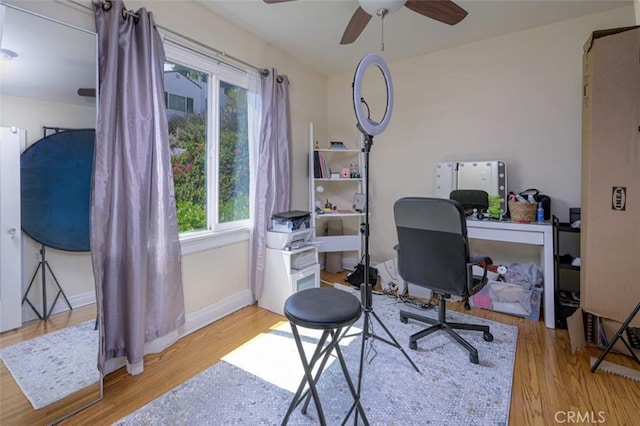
point(551, 386)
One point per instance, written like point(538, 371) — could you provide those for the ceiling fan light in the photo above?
point(7, 55)
point(373, 6)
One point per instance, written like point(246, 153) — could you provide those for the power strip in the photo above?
point(348, 288)
point(351, 289)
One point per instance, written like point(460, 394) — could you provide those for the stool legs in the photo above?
point(321, 354)
point(308, 378)
point(336, 336)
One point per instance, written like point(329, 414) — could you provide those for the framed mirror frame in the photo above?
point(486, 175)
point(53, 83)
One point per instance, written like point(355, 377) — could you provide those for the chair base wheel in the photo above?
point(404, 320)
point(488, 337)
point(474, 359)
point(413, 345)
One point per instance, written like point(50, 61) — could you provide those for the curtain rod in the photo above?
point(107, 5)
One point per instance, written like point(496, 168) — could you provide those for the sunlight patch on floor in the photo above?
point(279, 362)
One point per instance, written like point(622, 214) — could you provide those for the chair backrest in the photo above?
point(471, 198)
point(432, 244)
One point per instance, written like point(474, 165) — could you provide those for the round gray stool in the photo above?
point(333, 311)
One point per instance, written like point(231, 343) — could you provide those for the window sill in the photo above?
point(201, 241)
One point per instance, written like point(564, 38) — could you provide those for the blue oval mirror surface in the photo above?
point(55, 187)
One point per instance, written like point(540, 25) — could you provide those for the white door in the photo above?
point(11, 142)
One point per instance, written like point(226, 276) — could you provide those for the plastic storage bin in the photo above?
point(510, 299)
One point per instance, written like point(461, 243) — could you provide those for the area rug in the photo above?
point(255, 383)
point(51, 367)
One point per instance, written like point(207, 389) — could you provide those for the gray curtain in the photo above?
point(273, 178)
point(134, 233)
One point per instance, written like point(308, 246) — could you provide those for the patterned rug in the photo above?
point(51, 367)
point(255, 383)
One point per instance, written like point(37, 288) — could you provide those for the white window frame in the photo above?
point(218, 234)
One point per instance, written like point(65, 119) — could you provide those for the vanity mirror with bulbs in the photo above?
point(486, 175)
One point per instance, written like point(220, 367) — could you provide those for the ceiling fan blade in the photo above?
point(275, 1)
point(356, 25)
point(441, 10)
point(87, 92)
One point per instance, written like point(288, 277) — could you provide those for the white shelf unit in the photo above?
point(282, 278)
point(339, 192)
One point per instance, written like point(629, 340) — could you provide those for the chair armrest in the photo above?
point(474, 285)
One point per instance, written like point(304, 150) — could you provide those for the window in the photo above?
point(178, 103)
point(208, 111)
point(233, 154)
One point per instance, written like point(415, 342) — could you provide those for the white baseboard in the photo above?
point(209, 314)
point(194, 320)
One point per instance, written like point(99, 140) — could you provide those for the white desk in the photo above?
point(524, 233)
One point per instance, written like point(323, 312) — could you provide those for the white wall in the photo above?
point(516, 98)
point(213, 277)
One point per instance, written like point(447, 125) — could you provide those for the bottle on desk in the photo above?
point(540, 213)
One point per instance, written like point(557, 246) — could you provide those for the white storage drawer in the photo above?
point(282, 279)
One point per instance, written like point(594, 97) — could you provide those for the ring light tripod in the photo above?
point(369, 129)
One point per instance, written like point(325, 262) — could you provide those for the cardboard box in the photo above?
point(577, 332)
point(608, 330)
point(419, 291)
point(610, 211)
point(601, 333)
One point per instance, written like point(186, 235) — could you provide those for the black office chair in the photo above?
point(433, 252)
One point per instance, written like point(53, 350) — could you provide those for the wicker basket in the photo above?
point(523, 212)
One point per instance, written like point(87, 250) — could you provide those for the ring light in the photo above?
point(365, 123)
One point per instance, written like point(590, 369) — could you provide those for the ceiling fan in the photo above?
point(87, 92)
point(445, 11)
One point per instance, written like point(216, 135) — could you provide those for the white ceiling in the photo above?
point(310, 30)
point(54, 60)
